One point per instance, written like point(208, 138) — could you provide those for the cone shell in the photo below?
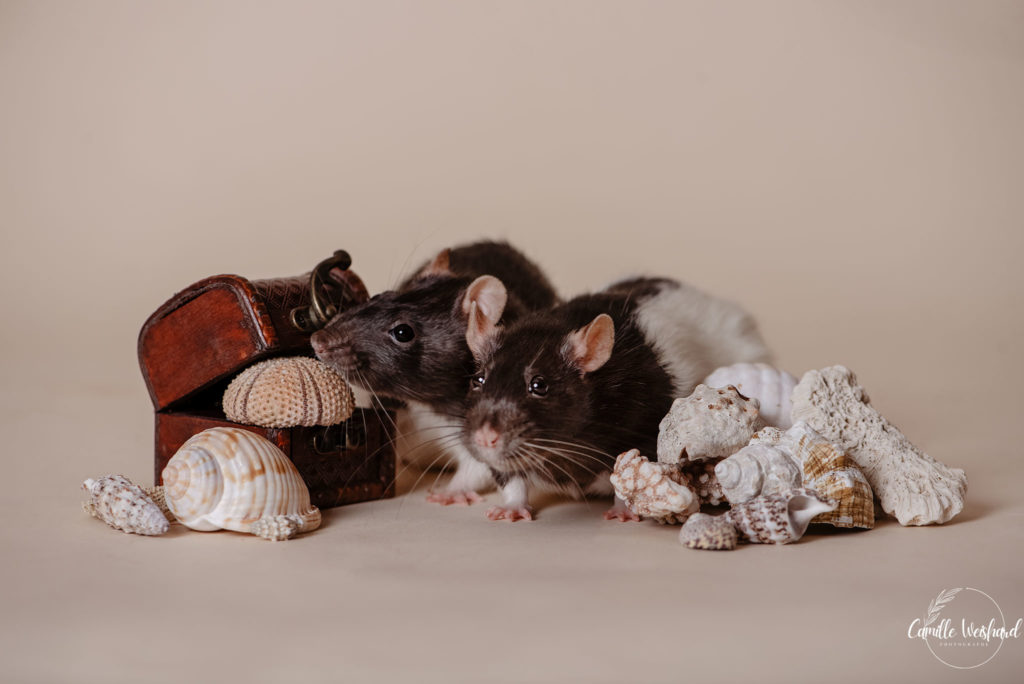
point(228, 478)
point(288, 392)
point(123, 505)
point(708, 424)
point(703, 531)
point(653, 490)
point(778, 518)
point(755, 470)
point(771, 387)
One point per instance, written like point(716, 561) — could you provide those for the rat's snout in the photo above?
point(333, 348)
point(486, 436)
point(321, 342)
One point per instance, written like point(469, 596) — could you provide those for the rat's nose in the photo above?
point(486, 436)
point(320, 341)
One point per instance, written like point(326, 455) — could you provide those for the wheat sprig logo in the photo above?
point(938, 603)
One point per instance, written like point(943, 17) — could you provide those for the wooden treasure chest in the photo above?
point(201, 338)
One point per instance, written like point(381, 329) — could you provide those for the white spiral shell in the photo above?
point(769, 385)
point(228, 478)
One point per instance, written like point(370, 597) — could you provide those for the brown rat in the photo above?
point(410, 343)
point(558, 394)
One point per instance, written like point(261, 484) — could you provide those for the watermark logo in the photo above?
point(964, 628)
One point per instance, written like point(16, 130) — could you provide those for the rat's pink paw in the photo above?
point(622, 514)
point(512, 514)
point(454, 498)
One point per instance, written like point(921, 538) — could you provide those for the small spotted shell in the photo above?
point(228, 478)
point(778, 518)
point(123, 505)
point(288, 392)
point(703, 531)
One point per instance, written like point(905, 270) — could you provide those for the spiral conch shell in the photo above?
point(769, 385)
point(778, 518)
point(123, 505)
point(653, 490)
point(233, 479)
point(288, 392)
point(757, 469)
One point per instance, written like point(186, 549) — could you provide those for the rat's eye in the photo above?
point(477, 382)
point(538, 386)
point(403, 333)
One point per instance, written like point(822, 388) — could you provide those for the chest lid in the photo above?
point(208, 332)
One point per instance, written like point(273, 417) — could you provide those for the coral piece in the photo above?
point(288, 392)
point(700, 476)
point(703, 531)
point(911, 485)
point(156, 494)
point(653, 490)
point(710, 423)
point(277, 527)
point(757, 469)
point(769, 385)
point(229, 478)
point(123, 505)
point(778, 518)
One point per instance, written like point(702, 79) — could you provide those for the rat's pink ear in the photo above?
point(441, 265)
point(590, 347)
point(483, 304)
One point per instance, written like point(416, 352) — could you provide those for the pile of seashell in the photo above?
point(220, 479)
point(817, 453)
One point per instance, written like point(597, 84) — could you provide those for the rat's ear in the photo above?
point(590, 347)
point(483, 304)
point(441, 265)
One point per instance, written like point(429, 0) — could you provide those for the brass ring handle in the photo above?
point(321, 309)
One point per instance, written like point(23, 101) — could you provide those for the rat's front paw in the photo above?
point(457, 498)
point(510, 513)
point(622, 514)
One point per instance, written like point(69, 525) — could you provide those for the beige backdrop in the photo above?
point(850, 172)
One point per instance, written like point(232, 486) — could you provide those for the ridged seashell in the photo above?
point(777, 518)
point(710, 423)
point(755, 470)
point(703, 531)
point(769, 385)
point(229, 478)
point(911, 485)
point(288, 392)
point(653, 490)
point(123, 505)
point(830, 472)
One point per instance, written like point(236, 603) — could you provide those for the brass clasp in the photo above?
point(325, 293)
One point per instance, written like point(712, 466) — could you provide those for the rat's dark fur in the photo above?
point(575, 431)
point(435, 366)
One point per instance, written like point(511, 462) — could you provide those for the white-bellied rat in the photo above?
point(558, 394)
point(410, 344)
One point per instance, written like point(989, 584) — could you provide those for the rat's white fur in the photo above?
point(427, 439)
point(694, 333)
